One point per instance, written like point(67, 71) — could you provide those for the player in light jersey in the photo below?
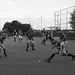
point(30, 40)
point(20, 36)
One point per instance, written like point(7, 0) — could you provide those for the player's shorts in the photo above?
point(14, 36)
point(19, 36)
point(30, 41)
point(63, 43)
point(61, 52)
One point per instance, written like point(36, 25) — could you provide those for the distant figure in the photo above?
point(14, 34)
point(20, 36)
point(30, 40)
point(45, 37)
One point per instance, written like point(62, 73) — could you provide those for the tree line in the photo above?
point(15, 25)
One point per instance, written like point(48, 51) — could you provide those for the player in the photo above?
point(30, 40)
point(63, 39)
point(45, 37)
point(20, 36)
point(61, 50)
point(3, 36)
point(15, 34)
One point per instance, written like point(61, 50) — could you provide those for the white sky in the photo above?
point(32, 9)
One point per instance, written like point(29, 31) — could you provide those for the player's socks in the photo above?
point(27, 49)
point(44, 42)
point(21, 39)
point(49, 59)
point(33, 47)
point(5, 52)
point(41, 42)
point(73, 56)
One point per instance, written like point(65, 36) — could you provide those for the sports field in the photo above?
point(22, 62)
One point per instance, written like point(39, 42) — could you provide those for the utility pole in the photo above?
point(0, 23)
point(38, 23)
point(29, 21)
point(31, 24)
point(41, 22)
point(66, 18)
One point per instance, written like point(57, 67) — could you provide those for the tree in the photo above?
point(17, 26)
point(72, 20)
point(7, 26)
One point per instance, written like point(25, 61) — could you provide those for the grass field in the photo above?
point(22, 62)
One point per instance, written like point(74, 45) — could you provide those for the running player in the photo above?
point(45, 37)
point(30, 40)
point(15, 34)
point(63, 38)
point(3, 36)
point(20, 35)
point(61, 50)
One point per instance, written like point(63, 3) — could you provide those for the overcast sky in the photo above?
point(32, 8)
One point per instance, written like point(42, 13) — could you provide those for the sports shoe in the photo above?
point(27, 50)
point(47, 60)
point(73, 57)
point(33, 49)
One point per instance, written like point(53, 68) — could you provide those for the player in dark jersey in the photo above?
point(45, 37)
point(3, 36)
point(30, 41)
point(61, 50)
point(14, 34)
point(63, 38)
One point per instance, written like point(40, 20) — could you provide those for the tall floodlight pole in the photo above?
point(0, 23)
point(38, 23)
point(60, 19)
point(31, 24)
point(29, 21)
point(55, 18)
point(66, 18)
point(74, 8)
point(41, 22)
